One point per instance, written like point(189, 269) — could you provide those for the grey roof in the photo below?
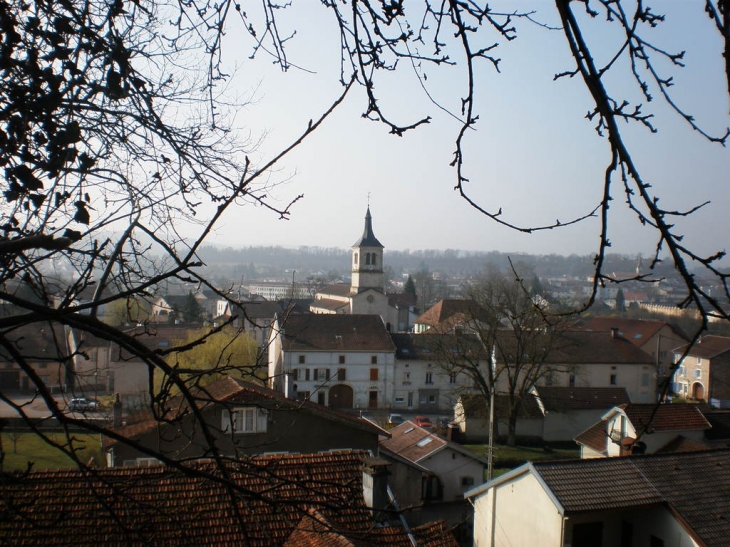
point(368, 238)
point(695, 486)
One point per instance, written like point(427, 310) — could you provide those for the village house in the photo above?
point(340, 361)
point(645, 429)
point(427, 376)
point(234, 418)
point(704, 374)
point(453, 469)
point(667, 500)
point(657, 338)
point(101, 367)
point(601, 359)
point(45, 350)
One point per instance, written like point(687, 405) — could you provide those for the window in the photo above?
point(467, 481)
point(698, 373)
point(355, 259)
point(373, 259)
point(341, 374)
point(645, 379)
point(373, 374)
point(302, 374)
point(681, 371)
point(243, 420)
point(321, 374)
point(571, 380)
point(367, 259)
point(342, 359)
point(452, 378)
point(407, 378)
point(302, 359)
point(429, 378)
point(303, 395)
point(613, 379)
point(373, 359)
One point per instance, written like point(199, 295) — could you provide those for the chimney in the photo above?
point(375, 486)
point(117, 411)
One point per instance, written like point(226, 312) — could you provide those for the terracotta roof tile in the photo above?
point(708, 347)
point(262, 504)
point(412, 442)
point(667, 417)
point(594, 437)
point(445, 309)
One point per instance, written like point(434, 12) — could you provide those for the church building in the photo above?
point(366, 293)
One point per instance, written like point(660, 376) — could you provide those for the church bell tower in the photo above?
point(367, 260)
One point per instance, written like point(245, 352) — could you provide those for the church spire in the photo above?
point(368, 238)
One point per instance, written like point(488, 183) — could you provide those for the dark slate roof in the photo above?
point(368, 238)
point(257, 310)
point(666, 417)
point(42, 341)
point(329, 304)
point(119, 507)
point(435, 346)
point(720, 422)
point(564, 399)
point(333, 332)
point(231, 391)
point(695, 485)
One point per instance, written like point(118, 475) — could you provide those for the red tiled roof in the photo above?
point(416, 444)
point(666, 417)
point(253, 502)
point(326, 332)
point(445, 309)
point(594, 437)
point(563, 399)
point(412, 442)
point(708, 347)
point(637, 331)
point(318, 531)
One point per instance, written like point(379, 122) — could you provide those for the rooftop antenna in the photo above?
point(368, 200)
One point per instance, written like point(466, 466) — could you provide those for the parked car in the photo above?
point(395, 419)
point(423, 421)
point(83, 404)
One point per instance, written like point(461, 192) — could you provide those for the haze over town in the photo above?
point(533, 153)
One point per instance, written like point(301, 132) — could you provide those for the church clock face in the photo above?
point(370, 298)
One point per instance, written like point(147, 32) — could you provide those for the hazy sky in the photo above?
point(534, 154)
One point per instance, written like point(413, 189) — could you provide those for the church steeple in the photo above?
point(368, 238)
point(367, 260)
